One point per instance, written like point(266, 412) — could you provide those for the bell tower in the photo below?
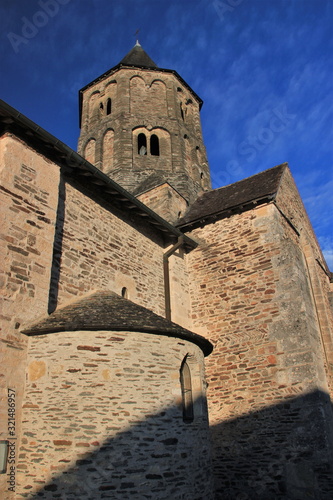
point(140, 125)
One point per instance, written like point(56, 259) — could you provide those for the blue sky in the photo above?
point(264, 69)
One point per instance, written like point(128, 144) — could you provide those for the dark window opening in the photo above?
point(124, 292)
point(101, 107)
point(181, 111)
point(186, 387)
point(108, 106)
point(154, 145)
point(142, 144)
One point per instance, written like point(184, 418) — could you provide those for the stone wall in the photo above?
point(165, 201)
point(28, 203)
point(251, 295)
point(291, 205)
point(101, 250)
point(103, 419)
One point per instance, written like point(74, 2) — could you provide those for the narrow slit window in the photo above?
point(108, 106)
point(186, 387)
point(101, 107)
point(142, 144)
point(182, 111)
point(154, 145)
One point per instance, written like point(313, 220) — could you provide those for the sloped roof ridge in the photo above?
point(218, 202)
point(281, 167)
point(106, 310)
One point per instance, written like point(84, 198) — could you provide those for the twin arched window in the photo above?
point(153, 143)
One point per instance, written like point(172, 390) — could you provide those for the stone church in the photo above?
point(137, 301)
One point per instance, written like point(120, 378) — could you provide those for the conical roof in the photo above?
point(138, 57)
point(105, 310)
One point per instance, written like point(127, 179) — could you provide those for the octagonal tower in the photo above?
point(140, 125)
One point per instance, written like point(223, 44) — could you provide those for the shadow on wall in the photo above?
point(57, 247)
point(161, 457)
point(281, 452)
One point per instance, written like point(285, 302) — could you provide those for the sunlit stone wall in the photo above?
point(103, 418)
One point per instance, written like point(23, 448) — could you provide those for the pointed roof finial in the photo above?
point(137, 40)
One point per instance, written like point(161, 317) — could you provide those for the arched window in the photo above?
point(101, 107)
point(186, 387)
point(142, 144)
point(108, 106)
point(154, 145)
point(124, 292)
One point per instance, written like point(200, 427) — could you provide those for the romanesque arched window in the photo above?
point(154, 145)
point(186, 387)
point(142, 144)
point(108, 106)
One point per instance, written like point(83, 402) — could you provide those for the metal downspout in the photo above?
point(166, 273)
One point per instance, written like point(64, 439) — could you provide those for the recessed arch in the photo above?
point(137, 93)
point(111, 86)
point(164, 140)
point(90, 150)
point(93, 103)
point(157, 100)
point(108, 150)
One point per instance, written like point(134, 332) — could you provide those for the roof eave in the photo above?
point(223, 214)
point(64, 156)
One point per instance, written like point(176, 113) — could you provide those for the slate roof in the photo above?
point(237, 197)
point(106, 310)
point(138, 57)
